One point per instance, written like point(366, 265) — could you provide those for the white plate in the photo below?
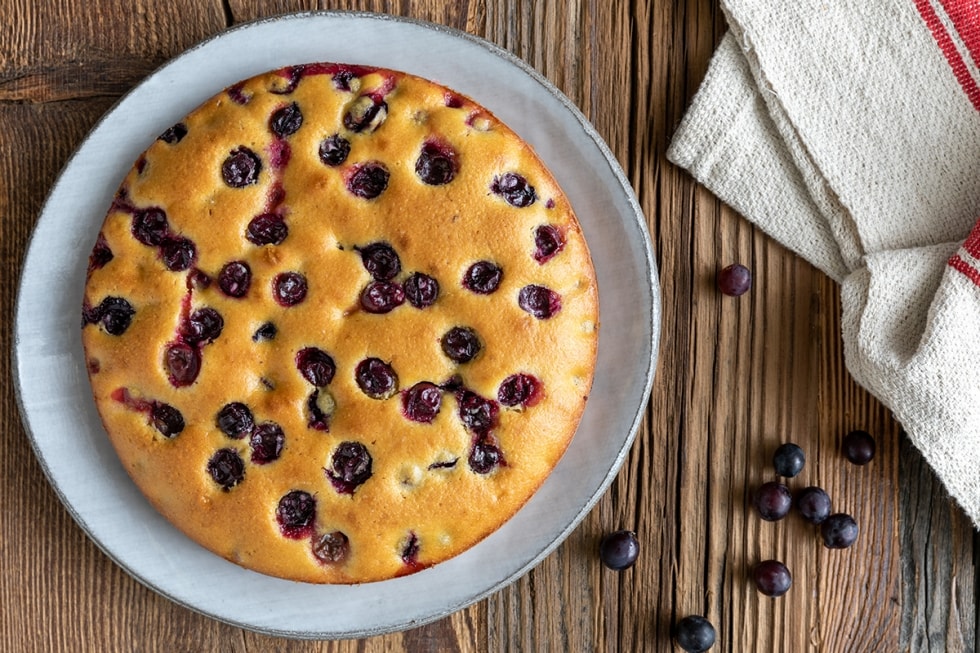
point(54, 393)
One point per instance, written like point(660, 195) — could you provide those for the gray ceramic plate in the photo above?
point(60, 415)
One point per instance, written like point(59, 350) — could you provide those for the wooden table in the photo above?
point(735, 378)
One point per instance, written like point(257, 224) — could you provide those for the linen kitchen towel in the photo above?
point(850, 132)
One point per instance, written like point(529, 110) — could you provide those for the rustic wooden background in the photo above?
point(735, 378)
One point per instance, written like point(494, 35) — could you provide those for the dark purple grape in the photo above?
point(331, 548)
point(368, 180)
point(235, 279)
point(227, 468)
point(237, 94)
point(316, 366)
point(380, 260)
point(334, 150)
point(421, 290)
point(296, 514)
point(342, 79)
point(350, 466)
point(266, 443)
point(289, 288)
point(539, 301)
point(235, 420)
point(514, 189)
point(734, 280)
point(813, 504)
point(410, 552)
point(519, 390)
point(183, 364)
point(198, 280)
point(101, 253)
point(838, 531)
point(286, 121)
point(436, 164)
point(788, 460)
point(115, 314)
point(772, 578)
point(376, 378)
point(548, 241)
point(773, 501)
point(366, 114)
point(202, 326)
point(461, 344)
point(478, 414)
point(150, 226)
point(484, 457)
point(320, 407)
point(241, 168)
point(178, 253)
point(421, 402)
point(483, 277)
point(858, 447)
point(266, 229)
point(382, 297)
point(174, 134)
point(618, 550)
point(166, 419)
point(267, 331)
point(694, 634)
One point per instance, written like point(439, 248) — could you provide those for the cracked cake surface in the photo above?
point(340, 323)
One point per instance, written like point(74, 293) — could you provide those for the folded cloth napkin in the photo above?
point(850, 132)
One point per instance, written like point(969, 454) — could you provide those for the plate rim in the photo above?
point(653, 327)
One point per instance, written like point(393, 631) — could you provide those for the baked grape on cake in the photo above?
point(340, 323)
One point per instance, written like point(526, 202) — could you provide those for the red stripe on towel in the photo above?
point(971, 248)
point(952, 55)
point(957, 263)
point(965, 15)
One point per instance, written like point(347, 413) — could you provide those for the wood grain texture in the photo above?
point(736, 377)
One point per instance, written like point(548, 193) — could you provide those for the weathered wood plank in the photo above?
point(735, 378)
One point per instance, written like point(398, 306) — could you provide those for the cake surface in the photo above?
point(340, 323)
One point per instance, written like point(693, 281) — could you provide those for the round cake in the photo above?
point(340, 323)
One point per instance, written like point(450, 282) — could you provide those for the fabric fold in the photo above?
point(848, 132)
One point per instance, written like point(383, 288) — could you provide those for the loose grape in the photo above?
point(788, 460)
point(618, 550)
point(734, 280)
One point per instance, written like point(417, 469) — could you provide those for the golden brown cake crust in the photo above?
point(352, 182)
